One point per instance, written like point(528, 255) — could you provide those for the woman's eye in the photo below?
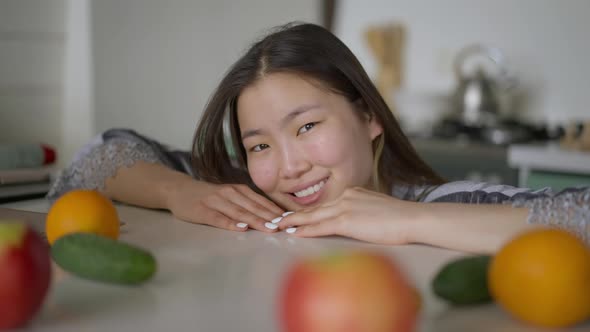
point(259, 147)
point(306, 127)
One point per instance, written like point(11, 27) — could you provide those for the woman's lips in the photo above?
point(310, 199)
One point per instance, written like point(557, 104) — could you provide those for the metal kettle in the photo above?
point(479, 97)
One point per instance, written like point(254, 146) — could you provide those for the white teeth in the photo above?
point(310, 190)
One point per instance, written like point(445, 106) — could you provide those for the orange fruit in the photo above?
point(542, 277)
point(86, 211)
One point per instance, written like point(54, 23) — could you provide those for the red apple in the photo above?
point(25, 273)
point(348, 291)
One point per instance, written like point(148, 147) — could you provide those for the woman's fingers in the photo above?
point(261, 200)
point(324, 228)
point(219, 220)
point(309, 217)
point(228, 212)
point(254, 203)
point(231, 206)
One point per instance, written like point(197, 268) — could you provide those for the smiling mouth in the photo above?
point(310, 190)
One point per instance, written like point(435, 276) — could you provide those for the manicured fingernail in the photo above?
point(270, 225)
point(276, 220)
point(291, 230)
point(287, 213)
point(242, 225)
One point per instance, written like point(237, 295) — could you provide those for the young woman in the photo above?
point(297, 125)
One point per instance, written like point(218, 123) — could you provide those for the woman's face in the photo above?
point(305, 145)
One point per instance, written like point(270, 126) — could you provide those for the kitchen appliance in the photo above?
point(503, 132)
point(482, 94)
point(472, 141)
point(481, 103)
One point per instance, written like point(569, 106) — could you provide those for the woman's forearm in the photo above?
point(473, 228)
point(145, 184)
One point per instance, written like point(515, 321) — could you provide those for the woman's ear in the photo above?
point(374, 126)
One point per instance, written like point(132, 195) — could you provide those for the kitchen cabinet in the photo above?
point(549, 165)
point(457, 159)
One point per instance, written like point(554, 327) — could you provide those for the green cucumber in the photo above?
point(95, 257)
point(464, 281)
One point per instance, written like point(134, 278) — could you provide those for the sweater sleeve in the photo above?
point(106, 153)
point(568, 209)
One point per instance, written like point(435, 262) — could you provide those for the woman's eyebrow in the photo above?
point(284, 121)
point(296, 112)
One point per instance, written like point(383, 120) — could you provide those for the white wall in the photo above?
point(31, 70)
point(157, 62)
point(546, 42)
point(45, 92)
point(72, 68)
point(77, 118)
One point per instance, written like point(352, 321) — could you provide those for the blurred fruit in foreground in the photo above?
point(543, 277)
point(348, 291)
point(25, 273)
point(85, 211)
point(99, 258)
point(464, 281)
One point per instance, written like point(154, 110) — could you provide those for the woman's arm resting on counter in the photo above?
point(225, 206)
point(145, 184)
point(131, 169)
point(481, 228)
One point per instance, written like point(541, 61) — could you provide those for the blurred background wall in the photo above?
point(32, 45)
point(70, 69)
point(157, 62)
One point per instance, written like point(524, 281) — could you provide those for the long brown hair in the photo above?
point(313, 52)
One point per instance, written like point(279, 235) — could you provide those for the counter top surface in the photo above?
point(216, 280)
point(550, 157)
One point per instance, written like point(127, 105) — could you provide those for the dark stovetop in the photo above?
point(505, 132)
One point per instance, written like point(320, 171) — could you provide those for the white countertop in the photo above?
point(216, 280)
point(548, 158)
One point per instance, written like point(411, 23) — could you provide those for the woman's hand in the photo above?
point(359, 213)
point(378, 218)
point(230, 206)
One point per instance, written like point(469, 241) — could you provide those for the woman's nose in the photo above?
point(293, 163)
